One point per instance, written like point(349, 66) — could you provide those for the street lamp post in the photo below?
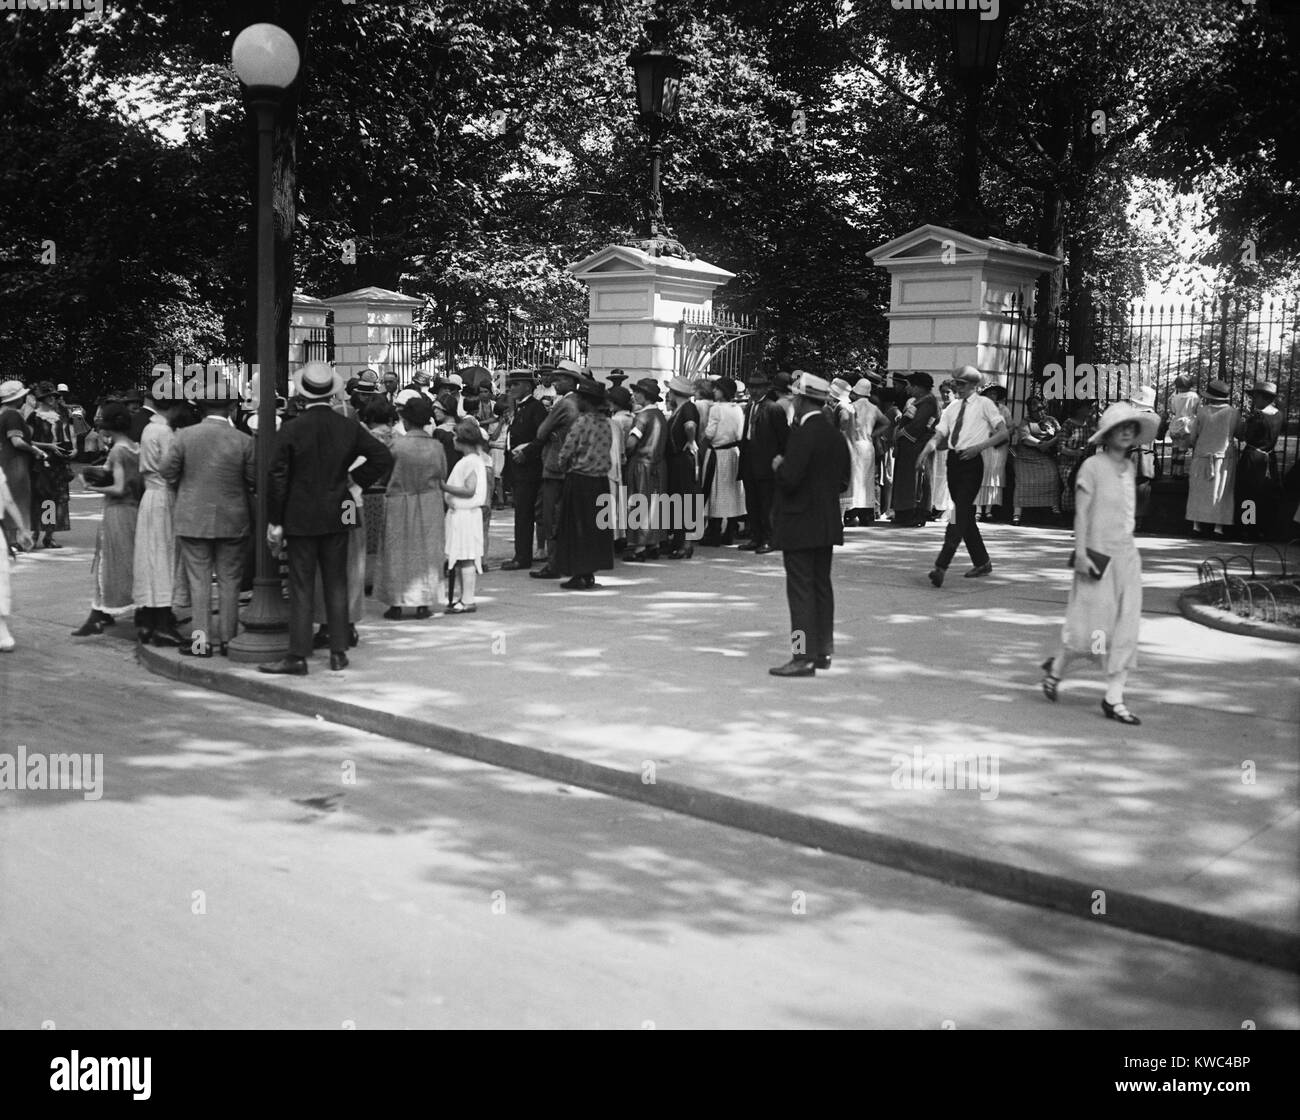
point(976, 45)
point(266, 60)
point(658, 81)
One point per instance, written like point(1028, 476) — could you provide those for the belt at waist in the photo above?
point(725, 446)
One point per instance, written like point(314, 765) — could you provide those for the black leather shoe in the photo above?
point(1120, 713)
point(936, 576)
point(821, 663)
point(979, 570)
point(423, 612)
point(514, 566)
point(188, 650)
point(338, 661)
point(793, 668)
point(169, 638)
point(747, 546)
point(321, 639)
point(545, 573)
point(289, 666)
point(762, 550)
point(353, 637)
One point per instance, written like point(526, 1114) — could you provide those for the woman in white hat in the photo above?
point(1212, 462)
point(18, 455)
point(1104, 613)
point(868, 423)
point(8, 511)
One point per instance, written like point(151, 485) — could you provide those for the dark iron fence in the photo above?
point(1149, 344)
point(718, 344)
point(318, 346)
point(494, 345)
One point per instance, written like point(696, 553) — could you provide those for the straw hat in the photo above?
point(682, 386)
point(1121, 412)
point(12, 391)
point(810, 386)
point(317, 381)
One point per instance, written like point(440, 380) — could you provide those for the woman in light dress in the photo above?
point(410, 562)
point(9, 510)
point(620, 423)
point(995, 460)
point(868, 421)
point(1212, 461)
point(725, 497)
point(157, 584)
point(467, 492)
point(112, 570)
point(1104, 613)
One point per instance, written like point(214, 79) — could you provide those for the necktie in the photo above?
point(956, 428)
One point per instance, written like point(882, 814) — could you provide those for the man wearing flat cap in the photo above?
point(806, 525)
point(523, 470)
point(762, 439)
point(967, 426)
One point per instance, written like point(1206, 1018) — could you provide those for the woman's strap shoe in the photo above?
point(1050, 682)
point(1119, 712)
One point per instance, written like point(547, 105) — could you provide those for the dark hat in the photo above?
point(921, 378)
point(369, 376)
point(447, 402)
point(133, 396)
point(616, 377)
point(518, 376)
point(619, 397)
point(782, 379)
point(43, 389)
point(592, 389)
point(1217, 390)
point(1268, 388)
point(649, 386)
point(418, 411)
point(421, 379)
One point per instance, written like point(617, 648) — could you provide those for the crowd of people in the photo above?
point(384, 490)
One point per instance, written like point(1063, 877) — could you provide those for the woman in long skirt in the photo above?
point(620, 423)
point(584, 541)
point(8, 509)
point(1104, 612)
point(380, 418)
point(911, 502)
point(53, 434)
point(1212, 461)
point(645, 474)
point(410, 562)
point(681, 462)
point(112, 570)
point(155, 569)
point(17, 455)
point(1038, 483)
point(995, 460)
point(720, 482)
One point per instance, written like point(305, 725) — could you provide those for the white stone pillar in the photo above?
point(636, 306)
point(365, 323)
point(948, 298)
point(307, 315)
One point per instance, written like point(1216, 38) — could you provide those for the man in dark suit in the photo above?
point(211, 463)
point(551, 435)
point(806, 525)
point(310, 510)
point(523, 469)
point(762, 440)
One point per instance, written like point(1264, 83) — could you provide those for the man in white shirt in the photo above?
point(967, 426)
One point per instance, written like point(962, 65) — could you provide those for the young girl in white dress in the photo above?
point(1104, 612)
point(467, 493)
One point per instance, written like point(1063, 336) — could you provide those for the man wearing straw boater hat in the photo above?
point(806, 525)
point(310, 510)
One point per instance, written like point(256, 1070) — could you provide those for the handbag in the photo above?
point(1099, 561)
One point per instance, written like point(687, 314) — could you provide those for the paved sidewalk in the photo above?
point(656, 688)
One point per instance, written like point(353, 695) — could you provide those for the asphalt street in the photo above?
point(246, 867)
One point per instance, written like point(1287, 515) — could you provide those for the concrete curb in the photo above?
point(1189, 603)
point(1168, 921)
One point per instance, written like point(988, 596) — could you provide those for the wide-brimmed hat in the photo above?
point(810, 385)
point(649, 386)
point(994, 388)
point(619, 397)
point(683, 386)
point(592, 389)
point(1145, 397)
point(1121, 412)
point(968, 374)
point(468, 431)
point(43, 389)
point(1217, 390)
point(616, 377)
point(404, 395)
point(12, 391)
point(839, 389)
point(317, 381)
point(862, 388)
point(421, 379)
point(1267, 387)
